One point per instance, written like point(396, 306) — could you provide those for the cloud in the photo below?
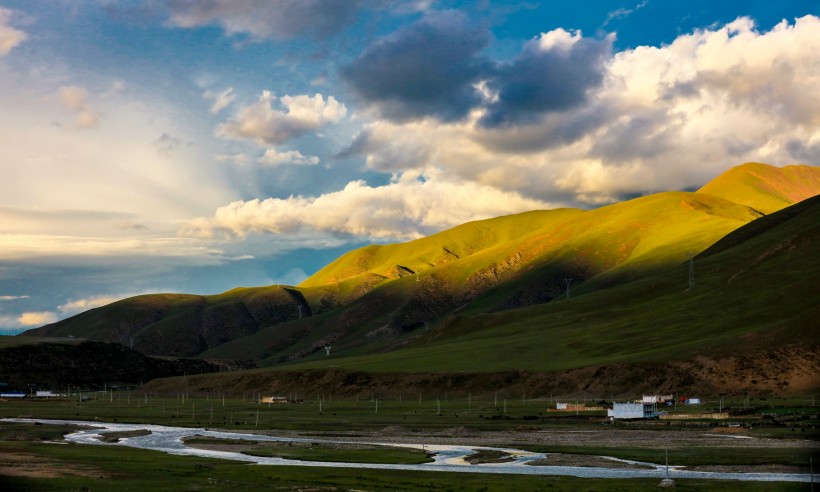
point(75, 99)
point(16, 247)
point(37, 318)
point(659, 118)
point(12, 298)
point(554, 72)
point(261, 123)
point(240, 159)
point(623, 12)
point(10, 37)
point(436, 68)
point(262, 19)
point(290, 157)
point(221, 100)
point(167, 143)
point(426, 69)
point(404, 209)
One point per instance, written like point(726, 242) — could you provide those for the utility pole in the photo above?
point(691, 272)
point(567, 281)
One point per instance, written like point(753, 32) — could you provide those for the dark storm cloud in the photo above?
point(552, 131)
point(425, 69)
point(431, 68)
point(549, 80)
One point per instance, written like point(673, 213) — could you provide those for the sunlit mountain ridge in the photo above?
point(503, 279)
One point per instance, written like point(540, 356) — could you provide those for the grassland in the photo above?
point(340, 454)
point(323, 414)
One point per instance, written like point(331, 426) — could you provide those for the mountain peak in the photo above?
point(764, 187)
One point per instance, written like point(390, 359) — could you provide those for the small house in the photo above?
point(633, 411)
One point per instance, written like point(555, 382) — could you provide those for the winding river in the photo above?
point(447, 457)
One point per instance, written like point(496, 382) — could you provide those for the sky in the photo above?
point(197, 146)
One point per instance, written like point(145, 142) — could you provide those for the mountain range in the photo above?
point(726, 271)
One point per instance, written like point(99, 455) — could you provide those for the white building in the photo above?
point(632, 411)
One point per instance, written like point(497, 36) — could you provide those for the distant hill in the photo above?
point(397, 299)
point(182, 325)
point(53, 364)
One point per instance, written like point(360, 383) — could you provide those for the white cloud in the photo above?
point(120, 189)
point(26, 246)
point(12, 298)
point(75, 99)
point(290, 157)
point(558, 39)
point(36, 318)
point(221, 100)
point(623, 12)
point(405, 209)
point(665, 117)
point(10, 37)
point(261, 123)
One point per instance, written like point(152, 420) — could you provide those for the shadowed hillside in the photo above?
point(182, 325)
point(749, 325)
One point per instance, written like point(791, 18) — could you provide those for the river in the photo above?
point(447, 457)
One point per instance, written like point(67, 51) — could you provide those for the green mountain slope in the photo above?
point(384, 297)
point(622, 240)
point(756, 290)
point(495, 265)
